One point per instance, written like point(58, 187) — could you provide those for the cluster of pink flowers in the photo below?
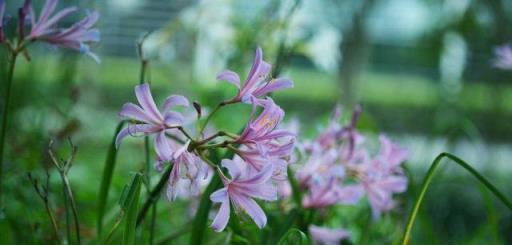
point(45, 27)
point(336, 169)
point(260, 150)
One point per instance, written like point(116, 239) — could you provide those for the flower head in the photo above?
point(148, 119)
point(257, 84)
point(188, 169)
point(240, 191)
point(263, 128)
point(327, 236)
point(503, 57)
point(76, 37)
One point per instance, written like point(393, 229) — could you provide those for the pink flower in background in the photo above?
point(147, 119)
point(263, 129)
point(326, 236)
point(326, 194)
point(240, 191)
point(2, 11)
point(391, 155)
point(503, 58)
point(77, 37)
point(256, 84)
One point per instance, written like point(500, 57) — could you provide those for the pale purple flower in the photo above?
point(257, 83)
point(188, 169)
point(326, 236)
point(380, 191)
point(391, 155)
point(147, 119)
point(2, 11)
point(276, 154)
point(326, 194)
point(240, 191)
point(503, 58)
point(263, 128)
point(76, 37)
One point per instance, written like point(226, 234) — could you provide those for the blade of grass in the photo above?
point(131, 205)
point(428, 180)
point(108, 171)
point(303, 237)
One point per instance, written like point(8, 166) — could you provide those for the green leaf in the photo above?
point(303, 237)
point(428, 180)
point(130, 204)
point(108, 171)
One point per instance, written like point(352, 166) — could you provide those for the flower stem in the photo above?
point(428, 180)
point(5, 113)
point(210, 115)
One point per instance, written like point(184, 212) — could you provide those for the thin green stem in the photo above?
point(74, 208)
point(210, 115)
point(428, 180)
point(5, 113)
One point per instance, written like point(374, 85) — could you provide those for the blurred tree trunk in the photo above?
point(353, 52)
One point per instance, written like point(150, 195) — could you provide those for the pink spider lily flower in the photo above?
point(503, 58)
point(147, 119)
point(276, 154)
point(326, 194)
point(326, 236)
point(380, 187)
point(2, 11)
point(391, 155)
point(187, 170)
point(76, 37)
point(256, 85)
point(263, 128)
point(240, 191)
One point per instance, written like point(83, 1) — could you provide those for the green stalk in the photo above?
point(428, 180)
point(108, 172)
point(5, 113)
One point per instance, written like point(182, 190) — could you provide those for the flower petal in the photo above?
point(273, 85)
point(233, 168)
point(146, 101)
point(222, 218)
point(253, 210)
point(162, 147)
point(175, 100)
point(134, 112)
point(173, 119)
point(134, 129)
point(220, 195)
point(230, 77)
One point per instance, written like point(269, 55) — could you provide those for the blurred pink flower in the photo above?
point(326, 236)
point(76, 37)
point(240, 191)
point(256, 84)
point(147, 119)
point(503, 58)
point(322, 195)
point(2, 11)
point(276, 154)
